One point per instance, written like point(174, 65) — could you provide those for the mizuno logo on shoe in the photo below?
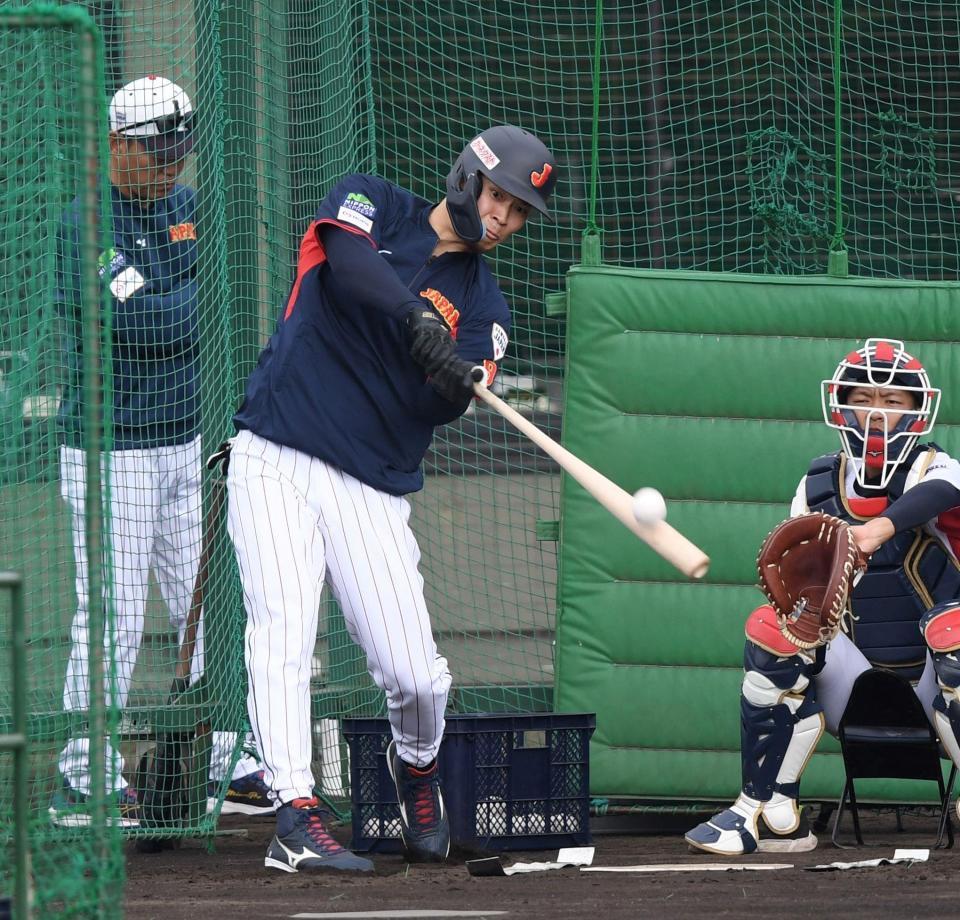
point(296, 858)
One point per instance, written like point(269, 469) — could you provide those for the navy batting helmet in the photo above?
point(514, 159)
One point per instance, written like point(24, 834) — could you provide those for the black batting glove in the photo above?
point(454, 379)
point(431, 344)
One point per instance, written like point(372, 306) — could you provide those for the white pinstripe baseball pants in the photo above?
point(154, 524)
point(296, 521)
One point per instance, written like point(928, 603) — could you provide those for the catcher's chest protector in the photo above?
point(907, 576)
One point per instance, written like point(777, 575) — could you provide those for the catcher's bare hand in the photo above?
point(872, 535)
point(808, 565)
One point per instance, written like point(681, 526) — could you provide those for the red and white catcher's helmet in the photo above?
point(884, 365)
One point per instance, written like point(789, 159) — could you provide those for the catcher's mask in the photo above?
point(512, 158)
point(884, 365)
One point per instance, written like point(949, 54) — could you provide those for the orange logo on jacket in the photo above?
point(446, 309)
point(181, 232)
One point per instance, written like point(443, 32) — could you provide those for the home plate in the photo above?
point(687, 867)
point(398, 914)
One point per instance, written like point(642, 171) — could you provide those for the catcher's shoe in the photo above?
point(741, 829)
point(302, 842)
point(784, 827)
point(69, 808)
point(248, 795)
point(733, 832)
point(424, 825)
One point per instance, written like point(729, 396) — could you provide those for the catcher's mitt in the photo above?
point(808, 565)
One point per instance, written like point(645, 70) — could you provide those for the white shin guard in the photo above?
point(781, 814)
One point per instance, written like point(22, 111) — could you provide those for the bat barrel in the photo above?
point(660, 537)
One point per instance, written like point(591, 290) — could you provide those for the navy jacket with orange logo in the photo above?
point(150, 270)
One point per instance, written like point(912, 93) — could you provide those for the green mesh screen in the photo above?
point(51, 109)
point(748, 136)
point(731, 136)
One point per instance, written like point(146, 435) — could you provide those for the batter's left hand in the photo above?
point(872, 535)
point(454, 380)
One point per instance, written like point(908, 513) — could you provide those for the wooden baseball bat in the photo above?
point(211, 522)
point(660, 537)
point(164, 789)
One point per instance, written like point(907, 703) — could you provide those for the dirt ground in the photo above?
point(191, 882)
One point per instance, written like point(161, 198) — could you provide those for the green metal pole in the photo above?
point(590, 253)
point(96, 322)
point(228, 186)
point(837, 259)
point(242, 109)
point(283, 229)
point(92, 115)
point(213, 310)
point(370, 112)
point(19, 742)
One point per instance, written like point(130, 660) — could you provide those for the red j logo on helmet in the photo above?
point(539, 179)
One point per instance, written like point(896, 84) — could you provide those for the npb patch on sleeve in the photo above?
point(358, 210)
point(500, 341)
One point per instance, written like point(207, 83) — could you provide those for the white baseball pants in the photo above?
point(296, 521)
point(844, 663)
point(154, 523)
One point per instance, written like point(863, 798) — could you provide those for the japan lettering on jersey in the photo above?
point(397, 224)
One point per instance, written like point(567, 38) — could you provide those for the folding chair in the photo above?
point(885, 733)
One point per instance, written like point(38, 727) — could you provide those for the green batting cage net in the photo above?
point(755, 136)
point(52, 153)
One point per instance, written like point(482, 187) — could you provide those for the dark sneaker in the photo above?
point(302, 842)
point(249, 795)
point(800, 840)
point(423, 817)
point(69, 808)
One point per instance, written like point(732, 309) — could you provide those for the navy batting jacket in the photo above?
point(336, 379)
point(151, 273)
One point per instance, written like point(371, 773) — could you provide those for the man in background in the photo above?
point(154, 516)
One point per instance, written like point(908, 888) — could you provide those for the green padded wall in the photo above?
point(705, 386)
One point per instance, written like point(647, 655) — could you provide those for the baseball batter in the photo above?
point(903, 500)
point(392, 306)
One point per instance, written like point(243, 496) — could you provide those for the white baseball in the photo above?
point(649, 506)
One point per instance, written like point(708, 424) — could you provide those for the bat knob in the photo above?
point(477, 373)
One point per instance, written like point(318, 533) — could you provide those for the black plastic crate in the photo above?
point(510, 782)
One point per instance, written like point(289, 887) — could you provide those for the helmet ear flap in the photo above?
point(463, 190)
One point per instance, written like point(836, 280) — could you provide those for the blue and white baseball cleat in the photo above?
point(749, 826)
point(732, 832)
point(302, 842)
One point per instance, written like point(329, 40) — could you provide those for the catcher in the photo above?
point(891, 557)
